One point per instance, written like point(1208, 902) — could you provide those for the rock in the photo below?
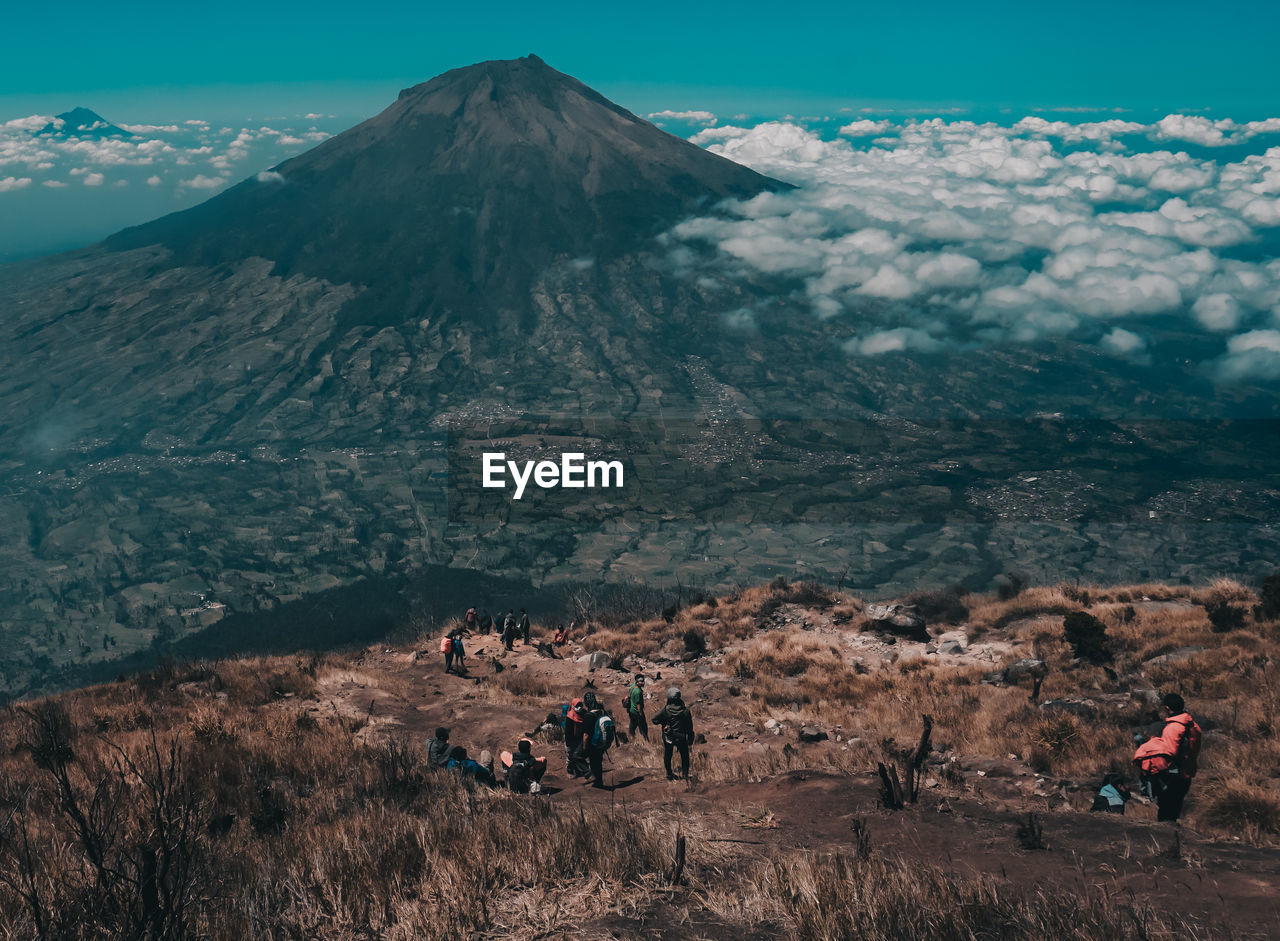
point(1175, 656)
point(810, 734)
point(951, 648)
point(897, 619)
point(959, 638)
point(1145, 696)
point(1085, 708)
point(598, 660)
point(771, 724)
point(1025, 669)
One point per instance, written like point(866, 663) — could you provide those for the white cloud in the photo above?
point(896, 340)
point(1252, 355)
point(153, 181)
point(202, 182)
point(952, 233)
point(693, 117)
point(1122, 342)
point(865, 128)
point(54, 184)
point(35, 122)
point(14, 183)
point(94, 179)
point(270, 176)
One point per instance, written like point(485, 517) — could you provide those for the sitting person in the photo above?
point(458, 761)
point(1112, 796)
point(524, 771)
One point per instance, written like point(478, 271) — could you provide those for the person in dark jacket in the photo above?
point(525, 627)
point(677, 732)
point(594, 752)
point(574, 728)
point(438, 749)
point(486, 622)
point(509, 630)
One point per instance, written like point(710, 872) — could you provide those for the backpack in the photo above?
point(518, 773)
point(602, 734)
point(1188, 747)
point(446, 645)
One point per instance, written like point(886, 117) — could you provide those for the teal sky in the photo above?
point(145, 61)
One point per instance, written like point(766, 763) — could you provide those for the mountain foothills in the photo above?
point(281, 392)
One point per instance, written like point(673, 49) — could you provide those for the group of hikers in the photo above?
point(509, 628)
point(588, 730)
point(1166, 764)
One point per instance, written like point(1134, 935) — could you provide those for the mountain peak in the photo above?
point(461, 192)
point(82, 122)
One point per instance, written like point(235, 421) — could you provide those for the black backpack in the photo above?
point(518, 777)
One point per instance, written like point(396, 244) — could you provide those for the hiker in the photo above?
point(635, 708)
point(677, 732)
point(524, 771)
point(470, 620)
point(509, 629)
point(486, 622)
point(525, 627)
point(1168, 761)
point(574, 718)
point(598, 735)
point(459, 652)
point(562, 636)
point(447, 648)
point(1112, 796)
point(459, 762)
point(438, 749)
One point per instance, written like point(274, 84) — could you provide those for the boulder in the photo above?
point(897, 619)
point(1175, 656)
point(810, 734)
point(1025, 670)
point(598, 660)
point(951, 648)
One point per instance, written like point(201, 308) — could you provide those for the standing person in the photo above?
point(509, 629)
point(525, 627)
point(471, 621)
point(486, 623)
point(635, 708)
point(597, 736)
point(677, 732)
point(446, 648)
point(438, 749)
point(574, 729)
point(1168, 762)
point(459, 652)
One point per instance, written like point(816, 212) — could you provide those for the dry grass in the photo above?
point(279, 818)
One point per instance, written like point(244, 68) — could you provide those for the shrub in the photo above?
point(1224, 617)
point(1237, 807)
point(1087, 637)
point(1270, 598)
point(1010, 585)
point(695, 643)
point(938, 607)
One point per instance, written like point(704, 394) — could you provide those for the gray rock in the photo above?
point(1025, 669)
point(1176, 656)
point(598, 660)
point(810, 734)
point(951, 648)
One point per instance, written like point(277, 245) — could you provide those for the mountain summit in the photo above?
point(461, 192)
point(82, 122)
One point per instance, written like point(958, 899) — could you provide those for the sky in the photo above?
point(146, 61)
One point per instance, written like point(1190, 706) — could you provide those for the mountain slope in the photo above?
point(457, 195)
point(82, 122)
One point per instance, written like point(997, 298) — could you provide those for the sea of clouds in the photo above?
point(928, 235)
point(59, 190)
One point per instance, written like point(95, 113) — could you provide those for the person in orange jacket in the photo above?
point(1168, 761)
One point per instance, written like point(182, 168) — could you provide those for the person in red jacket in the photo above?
point(1168, 762)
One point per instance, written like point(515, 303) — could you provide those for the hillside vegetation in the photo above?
point(289, 797)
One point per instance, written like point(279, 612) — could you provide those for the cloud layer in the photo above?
point(942, 234)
